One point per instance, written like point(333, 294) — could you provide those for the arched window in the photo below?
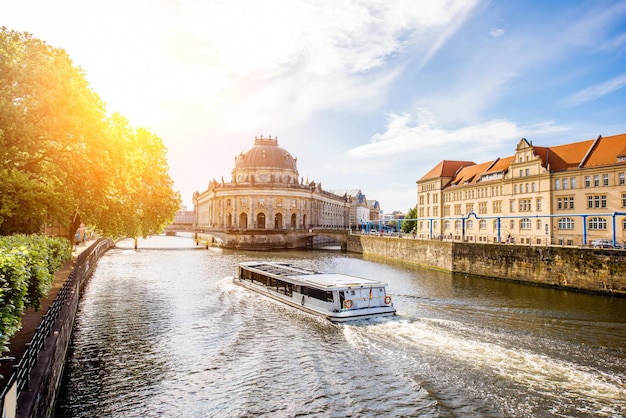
point(597, 223)
point(294, 220)
point(566, 223)
point(446, 225)
point(457, 224)
point(229, 220)
point(524, 223)
point(260, 221)
point(469, 224)
point(482, 224)
point(278, 221)
point(243, 220)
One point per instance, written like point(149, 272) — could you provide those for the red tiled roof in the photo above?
point(606, 151)
point(501, 165)
point(585, 154)
point(472, 173)
point(568, 156)
point(445, 168)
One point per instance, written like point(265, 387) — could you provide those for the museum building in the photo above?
point(267, 195)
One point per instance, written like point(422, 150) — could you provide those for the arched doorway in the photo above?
point(304, 221)
point(294, 219)
point(243, 220)
point(278, 221)
point(229, 220)
point(260, 221)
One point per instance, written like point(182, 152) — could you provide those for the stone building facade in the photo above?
point(569, 194)
point(265, 193)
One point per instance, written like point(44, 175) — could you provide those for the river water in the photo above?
point(162, 332)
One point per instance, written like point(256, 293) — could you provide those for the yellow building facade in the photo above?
point(570, 194)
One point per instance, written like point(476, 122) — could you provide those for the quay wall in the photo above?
point(583, 269)
point(44, 370)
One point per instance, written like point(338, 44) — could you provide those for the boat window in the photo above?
point(317, 293)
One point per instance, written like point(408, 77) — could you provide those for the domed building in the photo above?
point(266, 203)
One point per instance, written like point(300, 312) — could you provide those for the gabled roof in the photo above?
point(471, 174)
point(501, 164)
point(568, 156)
point(446, 168)
point(598, 152)
point(606, 151)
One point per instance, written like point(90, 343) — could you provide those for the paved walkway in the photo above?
point(32, 318)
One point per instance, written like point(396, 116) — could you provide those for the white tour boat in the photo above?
point(337, 297)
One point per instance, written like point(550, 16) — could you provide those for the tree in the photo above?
point(62, 159)
point(409, 223)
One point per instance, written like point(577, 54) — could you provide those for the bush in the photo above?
point(27, 268)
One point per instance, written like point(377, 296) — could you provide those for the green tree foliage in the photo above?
point(27, 268)
point(62, 159)
point(409, 223)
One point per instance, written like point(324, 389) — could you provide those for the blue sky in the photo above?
point(366, 94)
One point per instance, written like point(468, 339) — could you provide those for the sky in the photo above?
point(367, 95)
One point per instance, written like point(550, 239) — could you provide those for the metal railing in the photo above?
point(85, 263)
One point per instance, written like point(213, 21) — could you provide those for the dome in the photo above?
point(265, 154)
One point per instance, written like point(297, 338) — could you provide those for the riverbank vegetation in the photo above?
point(27, 268)
point(64, 160)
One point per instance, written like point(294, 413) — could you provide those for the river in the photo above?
point(163, 332)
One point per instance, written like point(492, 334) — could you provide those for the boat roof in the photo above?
point(326, 281)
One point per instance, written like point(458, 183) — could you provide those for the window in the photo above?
point(512, 205)
point(457, 209)
point(515, 189)
point(525, 205)
point(573, 182)
point(482, 224)
point(229, 202)
point(596, 180)
point(557, 184)
point(624, 200)
point(469, 207)
point(457, 224)
point(528, 171)
point(605, 179)
point(538, 204)
point(622, 179)
point(497, 206)
point(538, 223)
point(482, 207)
point(563, 203)
point(446, 225)
point(469, 224)
point(566, 223)
point(532, 187)
point(512, 224)
point(521, 173)
point(596, 201)
point(565, 184)
point(587, 181)
point(524, 223)
point(597, 223)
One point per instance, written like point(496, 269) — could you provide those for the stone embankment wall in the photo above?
point(586, 269)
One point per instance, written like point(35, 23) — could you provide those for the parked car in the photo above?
point(605, 243)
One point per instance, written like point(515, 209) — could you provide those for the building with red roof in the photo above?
point(570, 194)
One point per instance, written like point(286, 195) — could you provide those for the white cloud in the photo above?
point(496, 33)
point(420, 138)
point(597, 91)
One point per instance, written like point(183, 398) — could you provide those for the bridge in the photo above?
point(263, 239)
